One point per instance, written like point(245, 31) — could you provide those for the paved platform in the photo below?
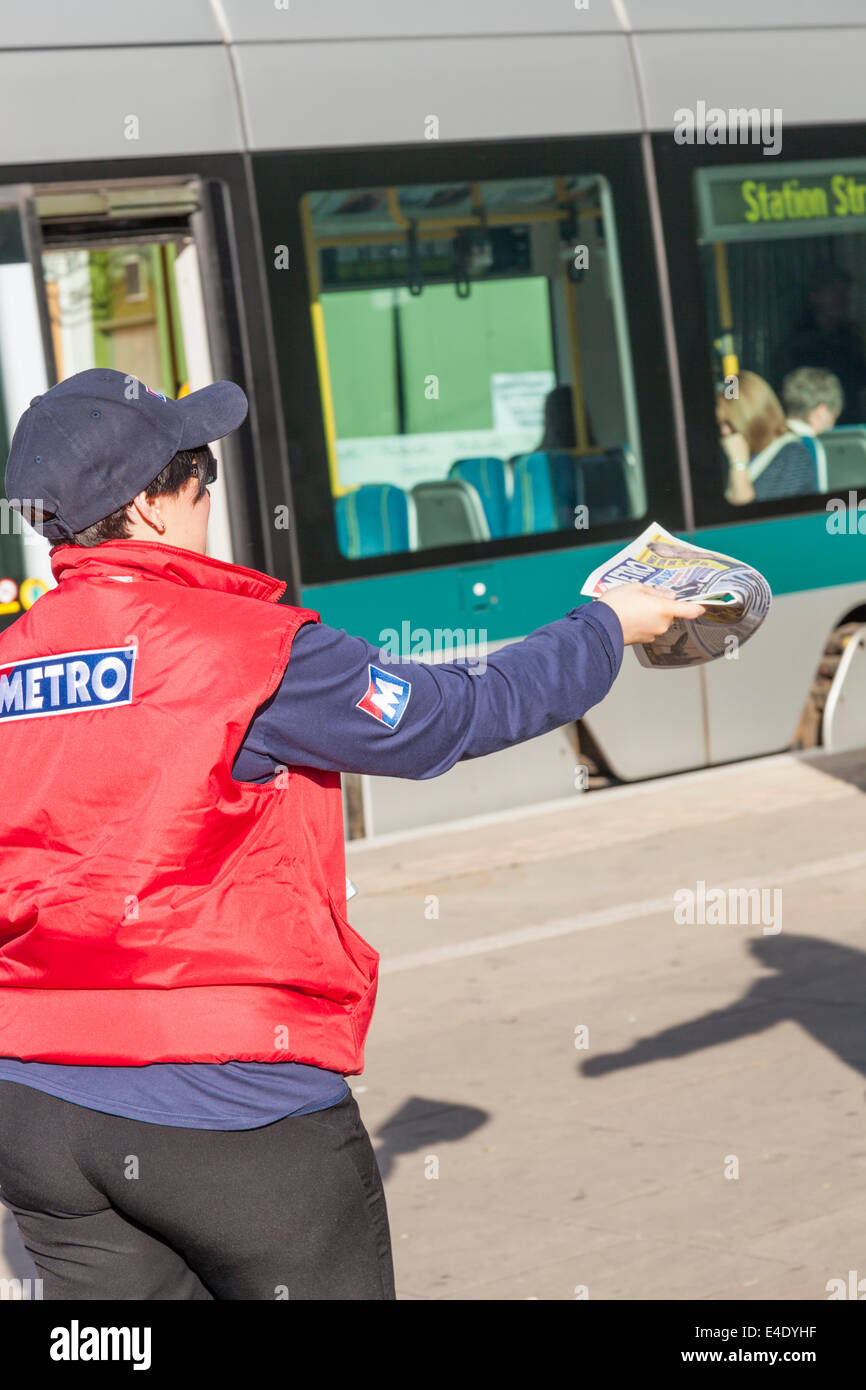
point(709, 1141)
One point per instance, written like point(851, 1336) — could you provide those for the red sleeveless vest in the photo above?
point(152, 909)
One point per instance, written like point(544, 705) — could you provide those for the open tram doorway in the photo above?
point(106, 276)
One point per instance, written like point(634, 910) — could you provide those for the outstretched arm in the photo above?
point(326, 713)
point(347, 706)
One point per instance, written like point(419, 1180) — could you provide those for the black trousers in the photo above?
point(111, 1208)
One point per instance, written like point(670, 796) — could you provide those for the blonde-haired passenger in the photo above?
point(766, 457)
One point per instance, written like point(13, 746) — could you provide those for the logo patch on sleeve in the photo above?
point(386, 697)
point(66, 684)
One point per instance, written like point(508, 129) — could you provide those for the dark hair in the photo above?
point(187, 463)
point(559, 422)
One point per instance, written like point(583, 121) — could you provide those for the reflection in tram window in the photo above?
point(784, 269)
point(133, 305)
point(473, 362)
point(116, 306)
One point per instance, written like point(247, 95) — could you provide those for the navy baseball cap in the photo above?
point(94, 441)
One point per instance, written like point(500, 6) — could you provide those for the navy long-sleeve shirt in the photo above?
point(348, 706)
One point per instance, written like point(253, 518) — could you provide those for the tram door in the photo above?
point(24, 370)
point(106, 277)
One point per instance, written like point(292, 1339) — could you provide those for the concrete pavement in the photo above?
point(709, 1142)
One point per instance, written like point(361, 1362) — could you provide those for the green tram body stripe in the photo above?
point(795, 553)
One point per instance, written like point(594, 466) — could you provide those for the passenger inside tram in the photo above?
point(559, 430)
point(766, 457)
point(813, 401)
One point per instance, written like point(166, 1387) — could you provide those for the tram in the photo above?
point(481, 293)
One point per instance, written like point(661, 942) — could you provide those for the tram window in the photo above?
point(474, 370)
point(783, 256)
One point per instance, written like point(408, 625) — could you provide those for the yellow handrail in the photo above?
point(730, 361)
point(442, 227)
point(320, 344)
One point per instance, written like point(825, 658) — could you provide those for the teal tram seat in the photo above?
point(375, 519)
point(491, 480)
point(845, 448)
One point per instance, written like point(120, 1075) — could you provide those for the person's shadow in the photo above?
point(423, 1124)
point(819, 984)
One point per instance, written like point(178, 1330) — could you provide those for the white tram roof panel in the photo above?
point(116, 23)
point(812, 78)
point(392, 19)
point(58, 105)
point(320, 94)
point(647, 16)
point(105, 23)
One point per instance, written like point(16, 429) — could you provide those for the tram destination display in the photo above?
point(752, 203)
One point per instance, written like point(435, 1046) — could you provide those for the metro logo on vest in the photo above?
point(67, 684)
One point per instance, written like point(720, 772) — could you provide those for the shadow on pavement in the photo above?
point(847, 767)
point(420, 1124)
point(819, 984)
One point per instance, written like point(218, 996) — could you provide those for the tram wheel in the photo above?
point(590, 756)
point(809, 732)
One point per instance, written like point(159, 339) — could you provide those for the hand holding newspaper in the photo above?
point(737, 596)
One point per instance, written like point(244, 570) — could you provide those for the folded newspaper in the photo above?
point(736, 596)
